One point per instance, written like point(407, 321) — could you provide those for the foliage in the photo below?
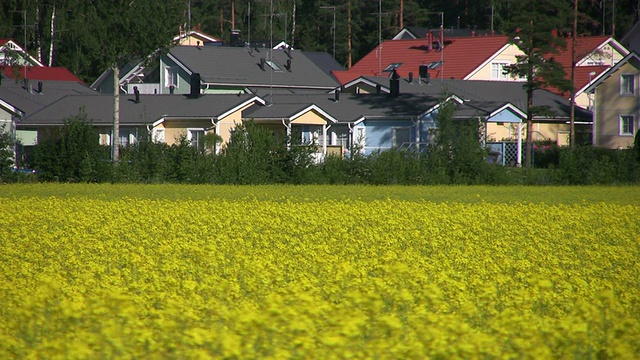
point(320, 272)
point(590, 165)
point(7, 144)
point(73, 155)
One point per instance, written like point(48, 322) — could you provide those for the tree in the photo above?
point(127, 30)
point(535, 25)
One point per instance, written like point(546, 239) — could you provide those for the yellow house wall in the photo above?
point(610, 105)
point(174, 130)
point(310, 118)
point(608, 55)
point(507, 55)
point(541, 132)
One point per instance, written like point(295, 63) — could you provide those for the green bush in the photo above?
point(74, 155)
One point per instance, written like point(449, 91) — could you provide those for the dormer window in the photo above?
point(627, 84)
point(498, 71)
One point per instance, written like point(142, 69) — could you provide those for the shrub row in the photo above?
point(255, 156)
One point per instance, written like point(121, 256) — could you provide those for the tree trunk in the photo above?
point(572, 116)
point(53, 29)
point(115, 141)
point(293, 26)
point(349, 35)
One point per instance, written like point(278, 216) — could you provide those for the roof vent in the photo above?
point(336, 95)
point(262, 61)
point(40, 85)
point(136, 94)
point(288, 66)
point(410, 80)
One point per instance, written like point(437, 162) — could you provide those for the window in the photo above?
point(627, 84)
point(127, 137)
point(158, 136)
point(627, 125)
point(497, 71)
point(401, 136)
point(171, 76)
point(195, 137)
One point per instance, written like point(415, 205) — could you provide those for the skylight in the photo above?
point(273, 65)
point(392, 67)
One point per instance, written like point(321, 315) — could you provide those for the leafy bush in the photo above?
point(74, 155)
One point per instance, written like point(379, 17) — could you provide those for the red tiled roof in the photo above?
point(41, 73)
point(461, 56)
point(3, 41)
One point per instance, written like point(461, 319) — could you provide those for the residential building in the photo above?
point(616, 109)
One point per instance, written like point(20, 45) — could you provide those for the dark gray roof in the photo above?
point(241, 66)
point(489, 95)
point(349, 107)
point(99, 108)
point(324, 61)
point(15, 94)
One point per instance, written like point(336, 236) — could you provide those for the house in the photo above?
point(416, 32)
point(19, 98)
point(427, 57)
point(143, 73)
point(195, 38)
point(167, 118)
point(503, 105)
point(12, 54)
point(233, 70)
point(616, 105)
point(424, 57)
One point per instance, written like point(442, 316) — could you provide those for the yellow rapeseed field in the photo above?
point(319, 272)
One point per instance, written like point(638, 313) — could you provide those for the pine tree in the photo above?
point(535, 25)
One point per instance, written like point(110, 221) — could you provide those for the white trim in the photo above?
point(438, 105)
point(241, 105)
point(11, 108)
point(195, 33)
point(501, 76)
point(510, 106)
point(488, 61)
point(611, 71)
point(633, 85)
point(17, 48)
point(312, 107)
point(614, 45)
point(178, 63)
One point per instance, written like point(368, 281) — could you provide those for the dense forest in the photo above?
point(88, 36)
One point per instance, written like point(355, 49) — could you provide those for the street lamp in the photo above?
point(333, 8)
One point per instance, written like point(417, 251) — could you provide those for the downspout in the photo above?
point(215, 131)
point(350, 145)
point(324, 139)
point(519, 157)
point(288, 127)
point(594, 118)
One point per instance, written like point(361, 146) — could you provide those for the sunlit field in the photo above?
point(317, 272)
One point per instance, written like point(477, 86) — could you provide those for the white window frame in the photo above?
point(190, 136)
point(501, 75)
point(621, 123)
point(169, 73)
point(624, 90)
point(158, 135)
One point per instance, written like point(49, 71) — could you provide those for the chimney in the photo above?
point(136, 94)
point(195, 86)
point(394, 84)
point(423, 72)
point(336, 95)
point(234, 40)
